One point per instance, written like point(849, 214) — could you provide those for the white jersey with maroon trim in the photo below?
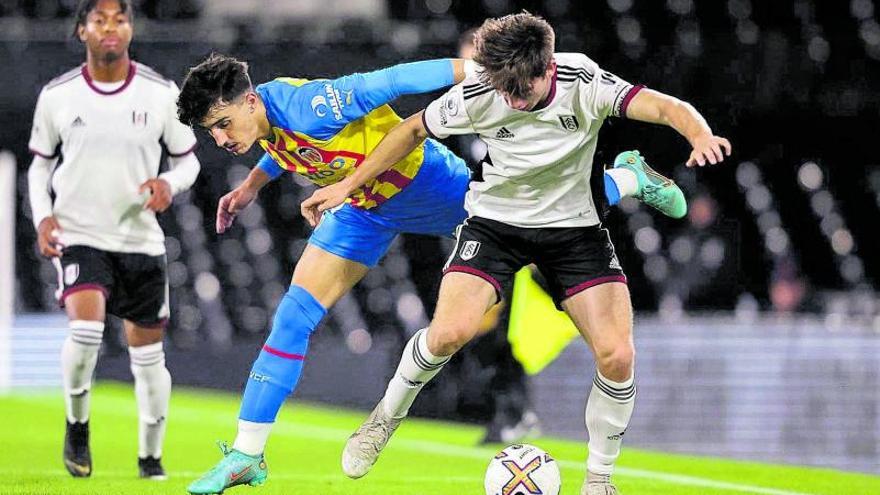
point(110, 142)
point(539, 163)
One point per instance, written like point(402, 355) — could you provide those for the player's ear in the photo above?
point(551, 68)
point(250, 98)
point(81, 32)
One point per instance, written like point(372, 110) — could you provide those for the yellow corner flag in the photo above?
point(538, 332)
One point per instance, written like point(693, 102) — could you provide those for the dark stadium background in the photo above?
point(787, 226)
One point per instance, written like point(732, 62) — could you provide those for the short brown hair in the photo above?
point(513, 50)
point(218, 79)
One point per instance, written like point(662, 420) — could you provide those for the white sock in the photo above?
point(417, 367)
point(608, 411)
point(626, 181)
point(152, 388)
point(79, 354)
point(252, 437)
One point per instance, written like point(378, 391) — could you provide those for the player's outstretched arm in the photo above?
point(396, 145)
point(373, 89)
point(658, 108)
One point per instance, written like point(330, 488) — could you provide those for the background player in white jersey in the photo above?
point(540, 114)
point(108, 120)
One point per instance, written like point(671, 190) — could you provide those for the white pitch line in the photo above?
point(121, 474)
point(127, 408)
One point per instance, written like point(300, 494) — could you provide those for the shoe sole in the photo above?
point(77, 470)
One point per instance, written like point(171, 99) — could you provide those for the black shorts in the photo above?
point(135, 285)
point(572, 259)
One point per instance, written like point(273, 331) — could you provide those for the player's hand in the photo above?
point(47, 238)
point(160, 194)
point(709, 149)
point(322, 200)
point(230, 204)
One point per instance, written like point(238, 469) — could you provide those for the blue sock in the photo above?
point(279, 365)
point(612, 193)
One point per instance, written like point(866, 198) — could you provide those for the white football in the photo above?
point(523, 470)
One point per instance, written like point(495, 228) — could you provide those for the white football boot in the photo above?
point(364, 446)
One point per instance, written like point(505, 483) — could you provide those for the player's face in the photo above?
point(539, 90)
point(107, 31)
point(234, 126)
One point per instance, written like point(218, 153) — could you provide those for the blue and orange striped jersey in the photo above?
point(323, 129)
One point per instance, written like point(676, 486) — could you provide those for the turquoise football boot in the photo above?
point(236, 468)
point(655, 189)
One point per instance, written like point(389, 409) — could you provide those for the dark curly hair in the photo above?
point(219, 79)
point(86, 6)
point(513, 50)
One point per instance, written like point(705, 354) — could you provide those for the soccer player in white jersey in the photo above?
point(540, 113)
point(97, 142)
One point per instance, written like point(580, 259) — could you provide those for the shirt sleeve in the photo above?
point(182, 173)
point(608, 95)
point(44, 135)
point(374, 89)
point(178, 138)
point(267, 164)
point(323, 107)
point(447, 115)
point(38, 175)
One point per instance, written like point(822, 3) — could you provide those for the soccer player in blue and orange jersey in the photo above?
point(322, 130)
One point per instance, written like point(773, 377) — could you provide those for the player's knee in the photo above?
point(297, 316)
point(446, 340)
point(616, 362)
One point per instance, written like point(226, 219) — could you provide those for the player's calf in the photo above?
point(78, 358)
point(152, 387)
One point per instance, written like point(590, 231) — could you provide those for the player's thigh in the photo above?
point(478, 272)
point(85, 280)
point(603, 315)
point(87, 305)
point(326, 276)
point(138, 335)
point(585, 279)
point(463, 301)
point(141, 293)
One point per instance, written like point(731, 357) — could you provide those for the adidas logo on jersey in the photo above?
point(503, 133)
point(77, 122)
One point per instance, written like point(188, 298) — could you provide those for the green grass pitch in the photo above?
point(424, 458)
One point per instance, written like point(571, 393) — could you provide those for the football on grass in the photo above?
point(523, 470)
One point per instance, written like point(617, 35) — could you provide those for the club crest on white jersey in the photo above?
point(469, 249)
point(71, 273)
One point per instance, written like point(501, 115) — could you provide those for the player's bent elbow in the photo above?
point(416, 127)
